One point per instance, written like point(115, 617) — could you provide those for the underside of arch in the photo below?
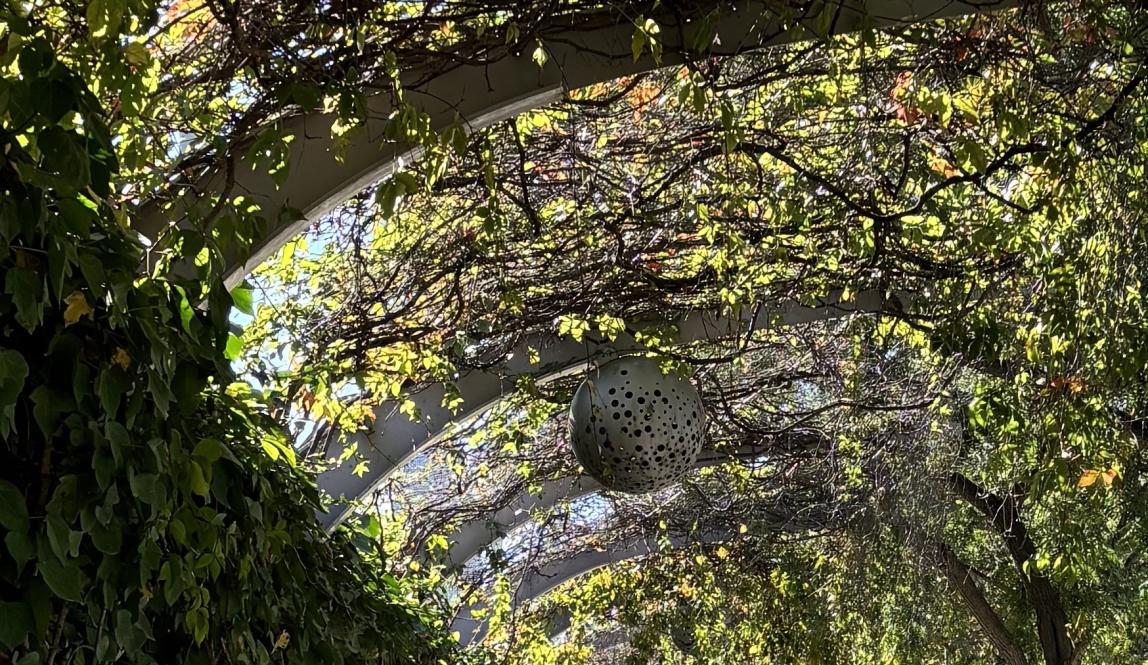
point(472, 538)
point(323, 171)
point(540, 581)
point(396, 437)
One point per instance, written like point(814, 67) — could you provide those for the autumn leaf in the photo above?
point(283, 640)
point(122, 358)
point(1071, 384)
point(307, 399)
point(901, 85)
point(942, 166)
point(1088, 478)
point(77, 308)
point(905, 114)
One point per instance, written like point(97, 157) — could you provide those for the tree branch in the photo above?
point(1004, 515)
point(960, 578)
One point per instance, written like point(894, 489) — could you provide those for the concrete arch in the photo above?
point(321, 177)
point(396, 437)
point(472, 538)
point(542, 580)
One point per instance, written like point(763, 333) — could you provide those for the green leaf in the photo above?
point(129, 637)
point(78, 219)
point(63, 154)
point(55, 98)
point(196, 480)
point(637, 43)
point(49, 407)
point(59, 536)
point(107, 538)
point(119, 440)
point(66, 580)
point(198, 621)
point(271, 449)
point(210, 450)
point(186, 311)
point(111, 387)
point(15, 623)
point(13, 371)
point(103, 17)
point(27, 291)
point(21, 547)
point(104, 467)
point(94, 274)
point(13, 511)
point(243, 298)
point(160, 391)
point(148, 488)
point(387, 197)
point(234, 347)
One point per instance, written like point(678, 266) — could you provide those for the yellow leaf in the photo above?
point(1087, 478)
point(283, 641)
point(77, 307)
point(271, 450)
point(742, 528)
point(1109, 476)
point(942, 166)
point(122, 358)
point(722, 552)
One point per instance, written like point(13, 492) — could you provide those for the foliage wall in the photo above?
point(150, 506)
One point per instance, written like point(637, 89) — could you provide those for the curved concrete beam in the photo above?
point(542, 580)
point(395, 437)
point(472, 538)
point(323, 174)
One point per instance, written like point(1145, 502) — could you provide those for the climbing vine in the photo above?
point(150, 509)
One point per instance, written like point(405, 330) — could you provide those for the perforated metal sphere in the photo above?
point(635, 429)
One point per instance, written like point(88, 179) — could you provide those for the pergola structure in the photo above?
point(321, 178)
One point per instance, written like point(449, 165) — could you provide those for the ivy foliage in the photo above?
point(150, 510)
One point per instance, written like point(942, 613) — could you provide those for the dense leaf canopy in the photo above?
point(958, 477)
point(975, 449)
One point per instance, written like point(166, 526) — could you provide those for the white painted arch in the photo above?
point(540, 581)
point(395, 438)
point(322, 176)
point(470, 539)
point(319, 180)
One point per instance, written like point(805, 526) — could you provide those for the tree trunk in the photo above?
point(960, 578)
point(1004, 515)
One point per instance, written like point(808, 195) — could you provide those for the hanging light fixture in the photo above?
point(635, 429)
